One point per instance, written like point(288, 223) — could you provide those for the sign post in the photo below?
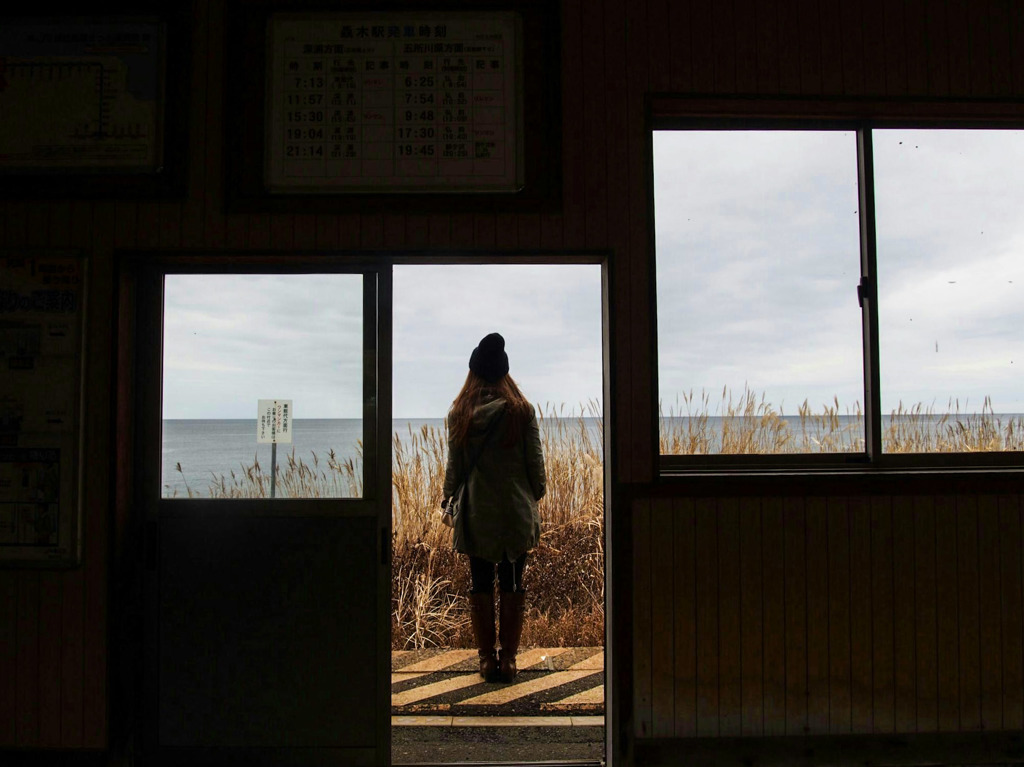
point(273, 425)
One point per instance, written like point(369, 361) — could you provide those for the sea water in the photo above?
point(197, 453)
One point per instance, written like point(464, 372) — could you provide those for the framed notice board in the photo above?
point(41, 309)
point(88, 107)
point(386, 105)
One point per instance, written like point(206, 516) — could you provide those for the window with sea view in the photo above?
point(758, 323)
point(839, 291)
point(232, 340)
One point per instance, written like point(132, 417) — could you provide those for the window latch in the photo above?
point(864, 289)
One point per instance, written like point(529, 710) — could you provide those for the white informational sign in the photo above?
point(378, 102)
point(274, 421)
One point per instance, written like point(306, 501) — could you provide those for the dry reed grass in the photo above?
point(565, 575)
point(750, 425)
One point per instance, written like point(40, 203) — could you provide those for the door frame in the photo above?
point(137, 395)
point(618, 534)
point(129, 539)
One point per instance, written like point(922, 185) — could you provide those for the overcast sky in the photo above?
point(758, 264)
point(757, 269)
point(231, 340)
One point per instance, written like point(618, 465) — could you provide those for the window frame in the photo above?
point(666, 113)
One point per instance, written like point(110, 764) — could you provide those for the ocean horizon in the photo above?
point(208, 449)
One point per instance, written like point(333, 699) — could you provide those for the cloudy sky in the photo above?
point(231, 340)
point(757, 268)
point(758, 264)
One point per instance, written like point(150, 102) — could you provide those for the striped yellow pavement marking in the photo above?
point(442, 661)
point(537, 657)
point(594, 663)
point(521, 689)
point(437, 688)
point(593, 695)
point(403, 676)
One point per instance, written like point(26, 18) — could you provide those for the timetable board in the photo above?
point(81, 96)
point(394, 102)
point(41, 314)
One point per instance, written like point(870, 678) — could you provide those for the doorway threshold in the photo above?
point(497, 721)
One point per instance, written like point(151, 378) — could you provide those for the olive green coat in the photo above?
point(501, 519)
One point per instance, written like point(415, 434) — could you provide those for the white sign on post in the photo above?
point(274, 421)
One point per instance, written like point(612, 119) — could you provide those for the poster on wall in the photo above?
point(81, 95)
point(394, 102)
point(41, 310)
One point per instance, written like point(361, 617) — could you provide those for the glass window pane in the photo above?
point(951, 288)
point(758, 261)
point(232, 340)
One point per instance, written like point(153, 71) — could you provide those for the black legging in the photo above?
point(510, 574)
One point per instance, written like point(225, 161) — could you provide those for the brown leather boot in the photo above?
point(510, 629)
point(481, 614)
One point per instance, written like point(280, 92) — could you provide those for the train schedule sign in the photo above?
point(393, 102)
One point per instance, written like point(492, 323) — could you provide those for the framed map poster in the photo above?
point(377, 102)
point(393, 106)
point(88, 109)
point(81, 96)
point(41, 310)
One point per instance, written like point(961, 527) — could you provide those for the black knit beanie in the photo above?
point(488, 359)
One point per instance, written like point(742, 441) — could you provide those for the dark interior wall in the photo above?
point(54, 632)
point(810, 608)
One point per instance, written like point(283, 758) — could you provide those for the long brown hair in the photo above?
point(518, 410)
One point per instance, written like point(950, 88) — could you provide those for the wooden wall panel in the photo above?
point(766, 32)
point(883, 615)
point(642, 620)
point(904, 624)
point(968, 603)
point(989, 608)
point(947, 576)
point(8, 657)
point(49, 658)
point(706, 579)
point(27, 667)
point(573, 150)
point(789, 53)
point(839, 691)
point(811, 616)
point(752, 620)
point(914, 46)
point(873, 53)
point(934, 23)
point(816, 559)
point(773, 570)
point(894, 48)
point(925, 615)
point(662, 520)
point(730, 636)
point(1010, 610)
point(794, 545)
point(861, 619)
point(684, 600)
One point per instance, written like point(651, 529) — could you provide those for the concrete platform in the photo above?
point(557, 684)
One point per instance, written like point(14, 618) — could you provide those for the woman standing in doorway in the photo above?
point(494, 447)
